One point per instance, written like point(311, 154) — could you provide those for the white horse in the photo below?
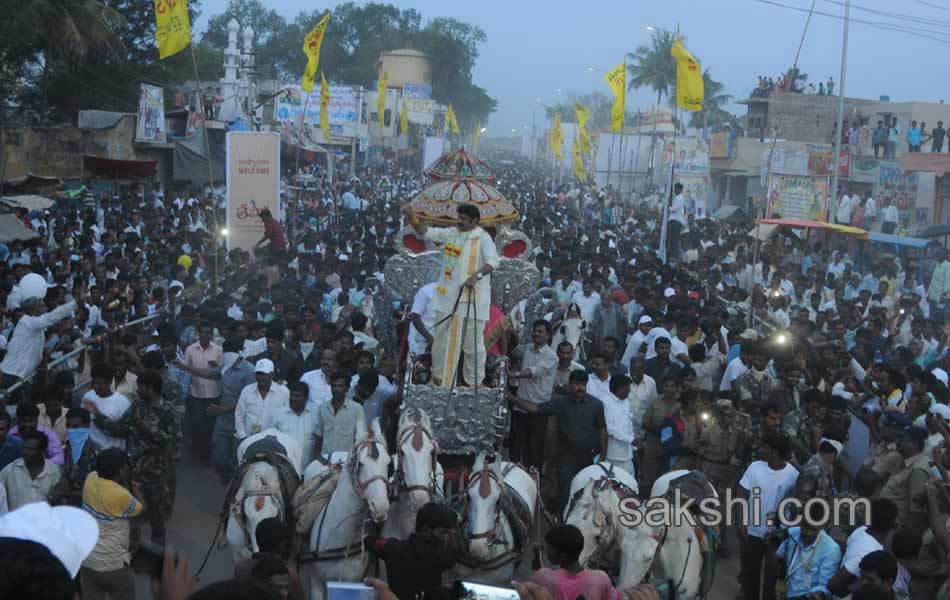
point(418, 477)
point(259, 495)
point(361, 497)
point(672, 551)
point(643, 539)
point(595, 506)
point(489, 533)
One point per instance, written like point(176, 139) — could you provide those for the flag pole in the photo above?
point(214, 202)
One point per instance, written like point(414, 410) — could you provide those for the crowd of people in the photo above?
point(756, 366)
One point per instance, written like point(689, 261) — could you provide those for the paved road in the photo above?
point(195, 519)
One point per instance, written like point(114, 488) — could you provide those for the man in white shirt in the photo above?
point(863, 541)
point(587, 300)
point(890, 217)
point(642, 394)
point(843, 214)
point(768, 481)
point(618, 414)
point(106, 403)
point(677, 222)
point(422, 318)
point(870, 212)
point(317, 380)
point(535, 385)
point(635, 341)
point(655, 334)
point(25, 350)
point(736, 367)
point(30, 478)
point(259, 400)
point(598, 384)
point(298, 419)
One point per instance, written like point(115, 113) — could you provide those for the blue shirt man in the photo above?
point(811, 559)
point(9, 445)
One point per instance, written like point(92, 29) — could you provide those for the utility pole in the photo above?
point(836, 159)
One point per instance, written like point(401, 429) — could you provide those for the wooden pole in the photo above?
point(214, 201)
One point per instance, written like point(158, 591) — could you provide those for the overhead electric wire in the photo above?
point(938, 7)
point(877, 25)
point(898, 16)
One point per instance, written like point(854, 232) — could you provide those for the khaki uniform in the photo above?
point(913, 477)
point(884, 460)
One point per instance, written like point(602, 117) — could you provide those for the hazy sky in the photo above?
point(535, 48)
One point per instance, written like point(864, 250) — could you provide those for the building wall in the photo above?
point(405, 66)
point(58, 151)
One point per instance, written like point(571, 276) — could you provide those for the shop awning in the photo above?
point(119, 169)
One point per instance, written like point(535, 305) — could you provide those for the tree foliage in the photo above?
point(356, 36)
point(653, 66)
point(61, 56)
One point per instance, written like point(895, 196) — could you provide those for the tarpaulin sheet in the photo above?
point(191, 162)
point(29, 202)
point(12, 228)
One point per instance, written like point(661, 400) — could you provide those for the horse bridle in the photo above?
point(354, 467)
point(488, 473)
point(408, 434)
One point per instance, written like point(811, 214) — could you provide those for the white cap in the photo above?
point(941, 375)
point(70, 534)
point(264, 365)
point(838, 446)
point(669, 292)
point(942, 410)
point(645, 319)
point(750, 334)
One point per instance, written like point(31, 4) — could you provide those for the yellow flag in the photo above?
point(324, 107)
point(451, 121)
point(311, 47)
point(583, 115)
point(381, 89)
point(404, 118)
point(172, 26)
point(579, 170)
point(689, 78)
point(478, 135)
point(557, 138)
point(617, 81)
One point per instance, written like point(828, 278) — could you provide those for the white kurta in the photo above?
point(465, 253)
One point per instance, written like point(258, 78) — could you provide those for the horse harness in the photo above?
point(282, 497)
point(510, 505)
point(353, 466)
point(416, 434)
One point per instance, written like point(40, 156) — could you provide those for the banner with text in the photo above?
point(692, 156)
point(343, 109)
point(798, 197)
point(253, 184)
point(151, 121)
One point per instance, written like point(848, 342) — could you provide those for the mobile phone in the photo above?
point(149, 559)
point(479, 591)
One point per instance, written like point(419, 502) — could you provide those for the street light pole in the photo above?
point(836, 159)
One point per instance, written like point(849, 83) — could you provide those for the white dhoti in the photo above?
point(454, 337)
point(463, 334)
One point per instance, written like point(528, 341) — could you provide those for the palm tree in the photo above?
point(653, 65)
point(67, 31)
point(713, 102)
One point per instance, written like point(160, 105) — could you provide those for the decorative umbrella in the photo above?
point(438, 202)
point(460, 165)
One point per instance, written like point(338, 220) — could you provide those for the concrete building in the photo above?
point(404, 66)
